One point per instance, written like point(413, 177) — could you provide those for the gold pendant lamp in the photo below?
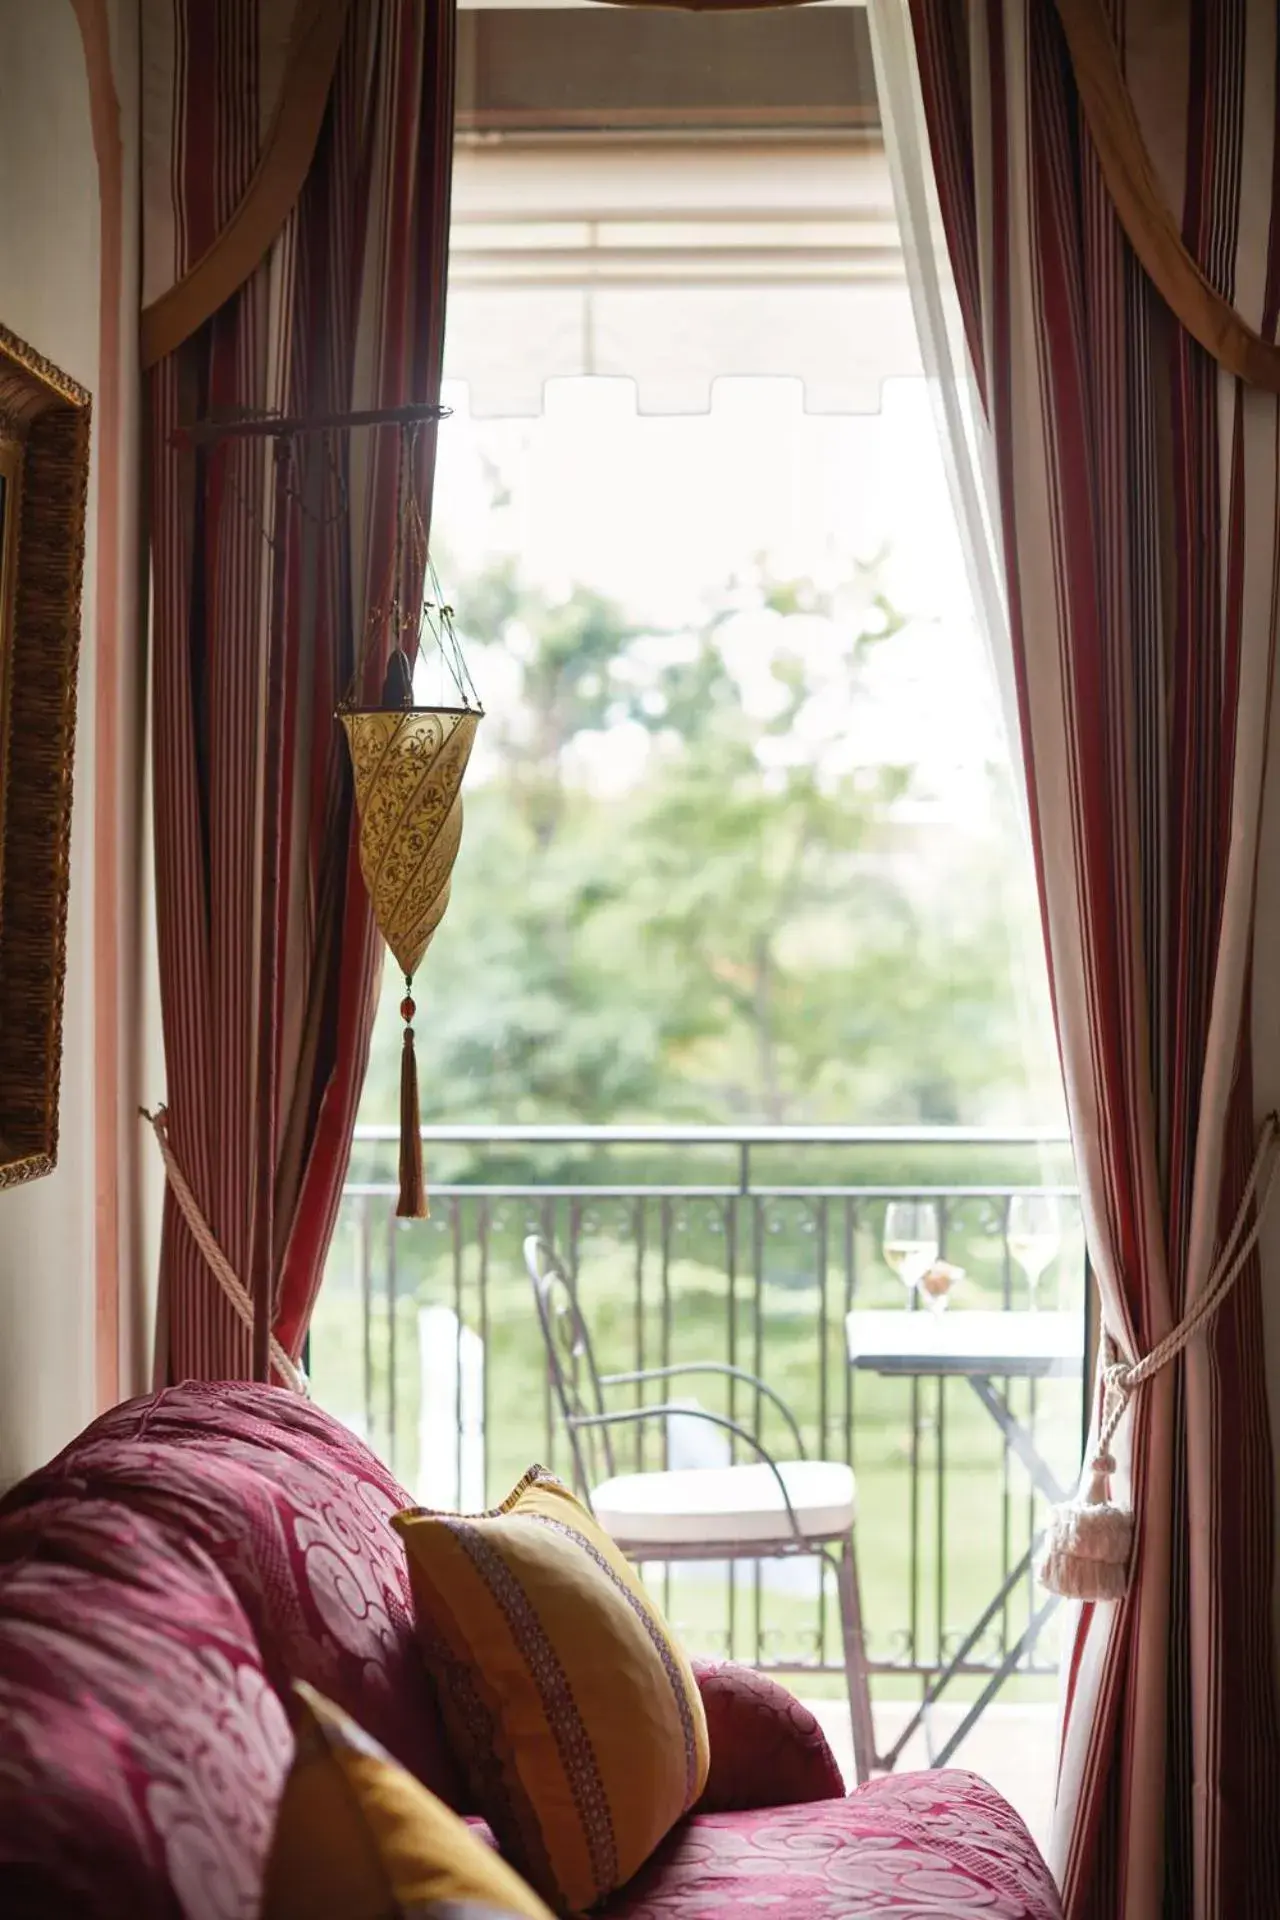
point(408, 762)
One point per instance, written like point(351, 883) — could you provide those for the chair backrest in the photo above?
point(571, 1363)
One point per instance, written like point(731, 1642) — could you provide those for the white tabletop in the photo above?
point(1032, 1345)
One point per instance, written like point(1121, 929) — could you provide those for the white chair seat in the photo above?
point(726, 1506)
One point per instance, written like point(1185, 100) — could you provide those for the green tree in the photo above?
point(731, 936)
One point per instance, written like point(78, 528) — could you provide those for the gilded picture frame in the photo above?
point(44, 476)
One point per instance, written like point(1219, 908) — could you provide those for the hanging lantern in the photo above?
point(408, 764)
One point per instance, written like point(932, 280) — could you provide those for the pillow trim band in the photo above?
point(661, 1645)
point(564, 1719)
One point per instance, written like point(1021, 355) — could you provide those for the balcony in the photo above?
point(751, 1248)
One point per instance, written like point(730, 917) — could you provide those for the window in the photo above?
point(743, 950)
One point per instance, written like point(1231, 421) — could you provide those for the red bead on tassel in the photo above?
point(412, 1204)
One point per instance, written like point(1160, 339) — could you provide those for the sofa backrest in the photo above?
point(161, 1581)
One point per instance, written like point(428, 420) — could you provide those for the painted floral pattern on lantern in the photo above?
point(408, 769)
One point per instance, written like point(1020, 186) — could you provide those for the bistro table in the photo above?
point(985, 1348)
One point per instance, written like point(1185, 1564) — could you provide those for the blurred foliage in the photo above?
point(734, 928)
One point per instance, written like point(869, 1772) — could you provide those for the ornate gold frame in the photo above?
point(44, 476)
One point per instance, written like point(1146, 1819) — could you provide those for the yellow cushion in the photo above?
point(574, 1710)
point(358, 1838)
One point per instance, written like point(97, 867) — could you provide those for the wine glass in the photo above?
point(1035, 1235)
point(910, 1239)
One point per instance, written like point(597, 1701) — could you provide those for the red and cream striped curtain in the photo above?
point(297, 166)
point(1137, 509)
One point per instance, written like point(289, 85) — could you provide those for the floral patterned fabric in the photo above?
point(292, 1509)
point(165, 1576)
point(767, 1749)
point(142, 1747)
point(920, 1846)
point(160, 1581)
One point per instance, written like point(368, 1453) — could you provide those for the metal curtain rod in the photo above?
point(202, 433)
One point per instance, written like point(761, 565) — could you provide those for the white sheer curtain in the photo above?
point(962, 427)
point(963, 431)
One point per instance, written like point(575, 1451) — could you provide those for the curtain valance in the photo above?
point(1149, 224)
point(230, 124)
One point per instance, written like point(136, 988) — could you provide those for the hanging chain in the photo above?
point(396, 610)
point(410, 550)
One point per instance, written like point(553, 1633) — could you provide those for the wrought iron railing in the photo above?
point(749, 1247)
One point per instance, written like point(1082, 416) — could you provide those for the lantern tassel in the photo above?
point(412, 1204)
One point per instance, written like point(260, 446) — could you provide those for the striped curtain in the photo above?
point(1138, 512)
point(339, 306)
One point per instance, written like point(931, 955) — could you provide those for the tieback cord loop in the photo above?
point(203, 1235)
point(1087, 1543)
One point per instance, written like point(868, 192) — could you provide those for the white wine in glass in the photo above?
point(910, 1239)
point(1035, 1235)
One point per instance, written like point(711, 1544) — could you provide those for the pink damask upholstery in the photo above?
point(922, 1846)
point(163, 1578)
point(292, 1509)
point(159, 1582)
point(766, 1748)
point(142, 1749)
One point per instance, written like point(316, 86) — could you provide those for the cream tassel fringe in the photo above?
point(1085, 1555)
point(1086, 1547)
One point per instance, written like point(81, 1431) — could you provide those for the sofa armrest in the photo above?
point(767, 1750)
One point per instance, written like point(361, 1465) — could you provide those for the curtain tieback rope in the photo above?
point(203, 1235)
point(1088, 1541)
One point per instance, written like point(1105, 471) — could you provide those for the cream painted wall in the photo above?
point(1266, 1094)
point(49, 295)
point(138, 1171)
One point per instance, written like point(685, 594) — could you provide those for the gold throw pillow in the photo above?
point(572, 1707)
point(358, 1838)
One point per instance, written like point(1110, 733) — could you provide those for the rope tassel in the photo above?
point(412, 1204)
point(1086, 1548)
point(1088, 1541)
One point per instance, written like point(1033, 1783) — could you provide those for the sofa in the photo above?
point(169, 1573)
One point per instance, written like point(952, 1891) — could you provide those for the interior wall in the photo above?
point(129, 1181)
point(53, 1232)
point(1266, 1073)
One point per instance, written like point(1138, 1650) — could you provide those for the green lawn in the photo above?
point(785, 1321)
